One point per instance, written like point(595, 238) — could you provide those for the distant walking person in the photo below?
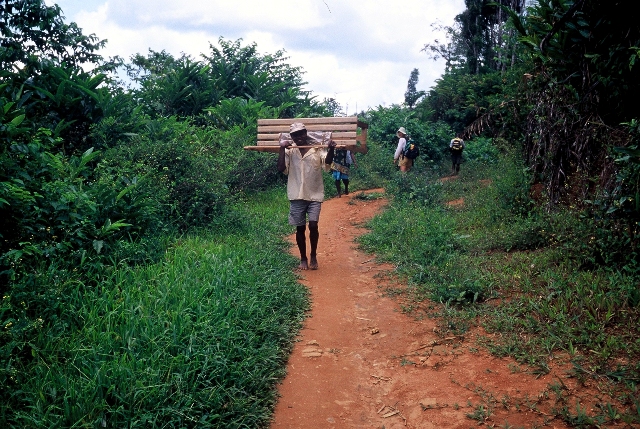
point(404, 163)
point(456, 147)
point(305, 187)
point(342, 161)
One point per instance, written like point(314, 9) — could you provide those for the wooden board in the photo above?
point(348, 132)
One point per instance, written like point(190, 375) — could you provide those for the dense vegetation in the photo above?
point(133, 291)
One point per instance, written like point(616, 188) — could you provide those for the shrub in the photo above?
point(433, 138)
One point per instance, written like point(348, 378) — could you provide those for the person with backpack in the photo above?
point(404, 162)
point(456, 146)
point(342, 161)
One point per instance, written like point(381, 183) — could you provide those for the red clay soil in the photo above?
point(361, 362)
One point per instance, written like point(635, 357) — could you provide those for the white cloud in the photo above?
point(360, 53)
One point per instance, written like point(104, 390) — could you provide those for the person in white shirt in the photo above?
point(305, 187)
point(404, 163)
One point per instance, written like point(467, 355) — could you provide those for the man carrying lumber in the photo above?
point(305, 187)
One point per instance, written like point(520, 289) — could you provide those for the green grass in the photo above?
point(516, 270)
point(199, 339)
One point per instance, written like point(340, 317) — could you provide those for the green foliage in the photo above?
point(34, 34)
point(173, 87)
point(493, 244)
point(412, 95)
point(51, 84)
point(433, 138)
point(246, 73)
point(241, 112)
point(199, 338)
point(474, 104)
point(416, 235)
point(480, 40)
point(230, 81)
point(51, 208)
point(582, 56)
point(182, 178)
point(59, 225)
point(481, 149)
point(583, 44)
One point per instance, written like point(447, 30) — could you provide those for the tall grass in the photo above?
point(199, 339)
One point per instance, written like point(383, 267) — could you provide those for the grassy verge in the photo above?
point(476, 252)
point(199, 339)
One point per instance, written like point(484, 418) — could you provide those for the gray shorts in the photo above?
point(300, 209)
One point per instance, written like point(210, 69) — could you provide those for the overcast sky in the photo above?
point(359, 52)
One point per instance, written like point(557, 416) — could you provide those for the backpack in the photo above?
point(456, 146)
point(411, 149)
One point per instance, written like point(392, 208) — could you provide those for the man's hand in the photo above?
point(285, 143)
point(332, 144)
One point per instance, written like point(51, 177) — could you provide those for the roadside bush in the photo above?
point(513, 184)
point(614, 216)
point(245, 170)
point(481, 149)
point(182, 175)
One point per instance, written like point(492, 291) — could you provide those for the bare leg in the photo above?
point(314, 234)
point(338, 188)
point(346, 186)
point(301, 241)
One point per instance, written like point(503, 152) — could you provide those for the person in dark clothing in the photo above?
point(456, 147)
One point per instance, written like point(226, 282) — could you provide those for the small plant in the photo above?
point(480, 413)
point(405, 362)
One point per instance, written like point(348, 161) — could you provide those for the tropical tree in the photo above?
point(480, 40)
point(582, 86)
point(167, 86)
point(412, 95)
point(34, 33)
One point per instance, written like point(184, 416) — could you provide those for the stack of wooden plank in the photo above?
point(348, 132)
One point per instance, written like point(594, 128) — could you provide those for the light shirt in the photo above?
point(349, 158)
point(305, 180)
point(402, 142)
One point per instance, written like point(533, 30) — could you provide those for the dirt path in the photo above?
point(361, 363)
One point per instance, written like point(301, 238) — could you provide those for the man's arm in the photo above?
point(332, 146)
point(284, 144)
